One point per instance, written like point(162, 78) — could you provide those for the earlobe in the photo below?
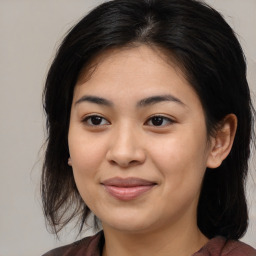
point(69, 161)
point(222, 142)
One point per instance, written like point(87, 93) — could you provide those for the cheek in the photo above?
point(86, 154)
point(181, 161)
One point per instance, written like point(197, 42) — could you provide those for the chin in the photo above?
point(128, 227)
point(128, 223)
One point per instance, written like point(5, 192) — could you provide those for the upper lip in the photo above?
point(127, 182)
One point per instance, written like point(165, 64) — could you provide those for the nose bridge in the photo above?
point(125, 136)
point(125, 146)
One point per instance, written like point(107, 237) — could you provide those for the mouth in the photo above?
point(126, 189)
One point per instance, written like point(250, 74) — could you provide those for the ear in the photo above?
point(69, 161)
point(222, 142)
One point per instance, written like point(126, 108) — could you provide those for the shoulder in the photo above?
point(219, 246)
point(89, 246)
point(237, 248)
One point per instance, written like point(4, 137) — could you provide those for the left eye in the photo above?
point(95, 120)
point(159, 121)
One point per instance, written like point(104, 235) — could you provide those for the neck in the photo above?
point(179, 242)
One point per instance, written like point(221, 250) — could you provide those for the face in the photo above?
point(138, 141)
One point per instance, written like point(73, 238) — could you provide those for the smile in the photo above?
point(128, 188)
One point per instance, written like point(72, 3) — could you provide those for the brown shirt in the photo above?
point(92, 246)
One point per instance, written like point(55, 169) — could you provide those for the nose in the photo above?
point(125, 148)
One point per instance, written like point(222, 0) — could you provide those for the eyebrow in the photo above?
point(95, 99)
point(142, 103)
point(157, 99)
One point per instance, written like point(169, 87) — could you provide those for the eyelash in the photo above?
point(161, 119)
point(88, 120)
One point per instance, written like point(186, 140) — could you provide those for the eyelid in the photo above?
point(169, 119)
point(87, 117)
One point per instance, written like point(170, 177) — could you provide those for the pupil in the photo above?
point(157, 121)
point(96, 120)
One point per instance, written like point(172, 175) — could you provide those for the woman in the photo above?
point(145, 131)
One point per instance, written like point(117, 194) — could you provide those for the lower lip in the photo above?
point(127, 193)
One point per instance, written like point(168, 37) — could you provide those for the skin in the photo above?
point(125, 142)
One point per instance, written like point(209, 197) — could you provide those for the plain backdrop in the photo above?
point(30, 32)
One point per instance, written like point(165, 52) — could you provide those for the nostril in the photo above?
point(125, 157)
point(113, 162)
point(133, 162)
point(124, 164)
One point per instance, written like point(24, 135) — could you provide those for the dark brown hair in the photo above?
point(206, 48)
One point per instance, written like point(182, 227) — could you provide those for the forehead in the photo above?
point(114, 55)
point(132, 74)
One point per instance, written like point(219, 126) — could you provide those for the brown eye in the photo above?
point(95, 120)
point(159, 121)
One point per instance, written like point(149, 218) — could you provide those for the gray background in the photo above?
point(30, 31)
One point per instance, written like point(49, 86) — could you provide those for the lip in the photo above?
point(126, 189)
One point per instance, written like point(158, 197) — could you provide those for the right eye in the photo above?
point(95, 120)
